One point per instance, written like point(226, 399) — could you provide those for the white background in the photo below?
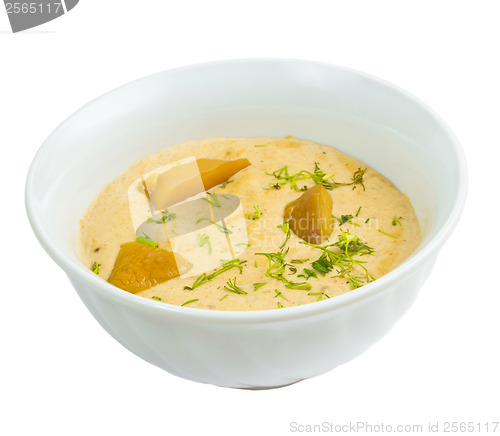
point(61, 374)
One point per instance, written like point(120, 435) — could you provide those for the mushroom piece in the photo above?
point(184, 181)
point(141, 266)
point(310, 215)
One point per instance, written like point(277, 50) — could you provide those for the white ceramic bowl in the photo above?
point(362, 116)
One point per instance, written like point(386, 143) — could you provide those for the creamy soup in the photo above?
point(283, 222)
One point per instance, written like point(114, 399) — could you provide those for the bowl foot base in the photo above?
point(261, 388)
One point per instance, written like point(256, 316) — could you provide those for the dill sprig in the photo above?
point(343, 219)
point(205, 240)
point(232, 287)
point(357, 178)
point(355, 281)
point(347, 219)
point(146, 240)
point(165, 216)
point(308, 274)
point(323, 264)
point(352, 245)
point(95, 268)
point(226, 183)
point(320, 295)
point(302, 286)
point(318, 177)
point(214, 201)
point(256, 215)
point(277, 267)
point(276, 264)
point(286, 230)
point(279, 294)
point(227, 265)
point(258, 286)
point(396, 220)
point(220, 227)
point(190, 301)
point(387, 234)
point(340, 255)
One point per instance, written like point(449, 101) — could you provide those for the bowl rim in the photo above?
point(269, 315)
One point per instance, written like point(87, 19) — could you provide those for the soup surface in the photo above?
point(264, 236)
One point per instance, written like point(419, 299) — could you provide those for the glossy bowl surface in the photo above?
point(363, 116)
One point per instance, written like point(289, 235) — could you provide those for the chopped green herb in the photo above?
point(244, 243)
point(256, 215)
point(318, 294)
point(355, 281)
point(352, 245)
point(190, 301)
point(223, 228)
point(299, 260)
point(308, 274)
point(154, 297)
point(357, 178)
point(340, 254)
point(318, 177)
point(214, 201)
point(359, 210)
point(367, 219)
point(146, 240)
point(226, 183)
point(284, 177)
point(387, 234)
point(276, 264)
point(343, 218)
point(95, 268)
point(232, 287)
point(204, 278)
point(323, 264)
point(220, 227)
point(256, 265)
point(279, 294)
point(301, 286)
point(396, 220)
point(227, 295)
point(258, 286)
point(280, 306)
point(165, 216)
point(168, 216)
point(205, 240)
point(286, 229)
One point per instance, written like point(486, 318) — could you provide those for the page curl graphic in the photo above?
point(25, 15)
